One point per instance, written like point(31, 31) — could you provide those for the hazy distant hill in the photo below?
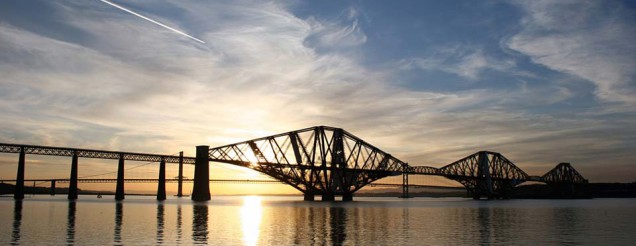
point(428, 191)
point(7, 189)
point(598, 190)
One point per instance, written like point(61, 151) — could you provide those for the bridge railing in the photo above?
point(90, 153)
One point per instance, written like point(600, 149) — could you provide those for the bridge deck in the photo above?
point(146, 180)
point(90, 153)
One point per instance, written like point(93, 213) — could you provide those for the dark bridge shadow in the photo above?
point(320, 226)
point(17, 222)
point(70, 223)
point(338, 224)
point(119, 214)
point(200, 223)
point(160, 223)
point(179, 231)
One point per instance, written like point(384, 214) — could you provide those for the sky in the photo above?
point(429, 82)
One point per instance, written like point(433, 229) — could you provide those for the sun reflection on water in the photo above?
point(251, 214)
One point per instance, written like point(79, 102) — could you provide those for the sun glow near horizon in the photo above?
point(265, 68)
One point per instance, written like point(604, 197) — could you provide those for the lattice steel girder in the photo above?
point(496, 182)
point(425, 170)
point(90, 153)
point(150, 180)
point(485, 173)
point(499, 188)
point(564, 173)
point(499, 167)
point(318, 160)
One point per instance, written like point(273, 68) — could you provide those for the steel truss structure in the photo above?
point(424, 170)
point(485, 173)
point(563, 173)
point(235, 181)
point(90, 153)
point(330, 161)
point(319, 160)
point(492, 175)
point(324, 161)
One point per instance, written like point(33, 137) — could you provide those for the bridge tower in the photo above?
point(19, 184)
point(318, 161)
point(484, 181)
point(161, 184)
point(485, 174)
point(337, 182)
point(406, 169)
point(119, 189)
point(180, 177)
point(72, 187)
point(201, 187)
point(565, 182)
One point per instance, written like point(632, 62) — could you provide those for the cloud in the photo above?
point(343, 33)
point(588, 39)
point(126, 84)
point(467, 63)
point(253, 75)
point(330, 35)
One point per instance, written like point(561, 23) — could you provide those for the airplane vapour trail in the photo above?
point(151, 20)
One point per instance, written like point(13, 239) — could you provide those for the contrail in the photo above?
point(153, 21)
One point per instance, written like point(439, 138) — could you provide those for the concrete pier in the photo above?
point(347, 197)
point(19, 184)
point(308, 196)
point(328, 197)
point(201, 187)
point(180, 183)
point(119, 191)
point(52, 189)
point(161, 185)
point(72, 186)
point(405, 181)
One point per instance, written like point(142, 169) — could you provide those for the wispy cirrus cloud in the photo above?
point(344, 33)
point(467, 63)
point(578, 38)
point(264, 70)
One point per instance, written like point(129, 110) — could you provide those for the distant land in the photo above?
point(426, 191)
point(593, 190)
point(534, 191)
point(7, 189)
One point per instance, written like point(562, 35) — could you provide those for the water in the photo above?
point(253, 220)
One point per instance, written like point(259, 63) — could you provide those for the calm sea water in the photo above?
point(254, 220)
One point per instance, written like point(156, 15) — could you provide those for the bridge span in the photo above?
point(490, 174)
point(318, 161)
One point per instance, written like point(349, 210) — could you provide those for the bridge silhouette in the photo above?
point(318, 161)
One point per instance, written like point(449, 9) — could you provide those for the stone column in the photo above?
point(72, 186)
point(308, 196)
point(161, 186)
point(52, 191)
point(180, 178)
point(19, 183)
point(119, 191)
point(347, 197)
point(327, 197)
point(201, 188)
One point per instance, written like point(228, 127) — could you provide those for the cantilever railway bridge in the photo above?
point(318, 161)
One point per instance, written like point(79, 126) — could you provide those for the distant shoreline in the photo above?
point(534, 191)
